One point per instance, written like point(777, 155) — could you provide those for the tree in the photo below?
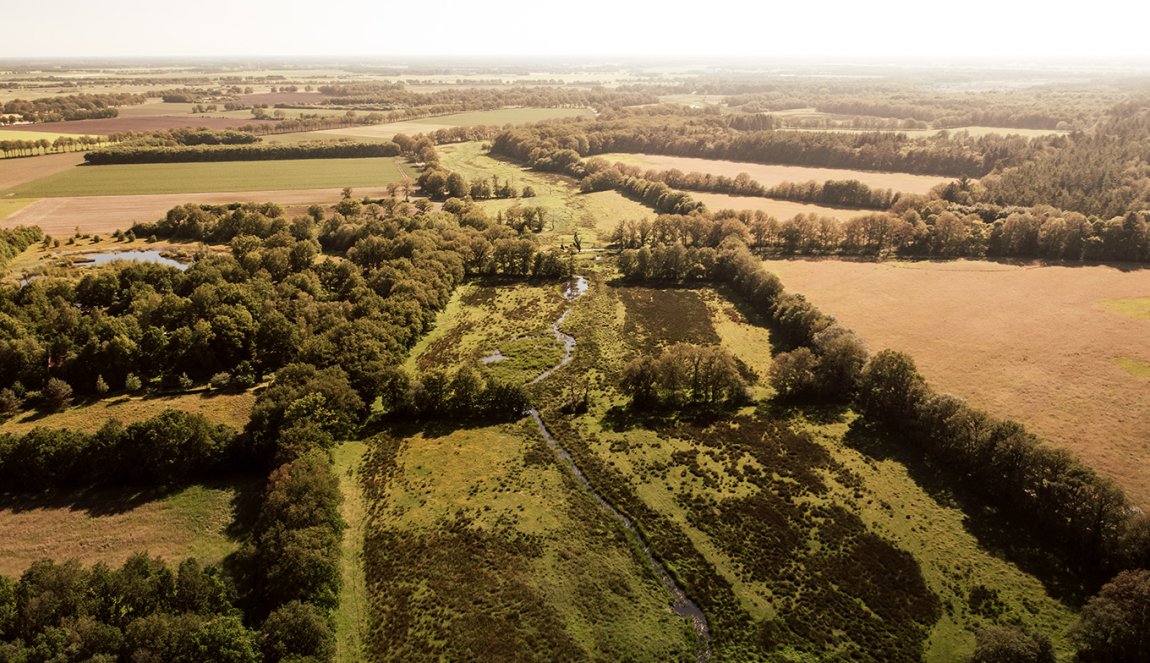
point(1011, 644)
point(890, 389)
point(57, 395)
point(1115, 624)
point(792, 374)
point(297, 630)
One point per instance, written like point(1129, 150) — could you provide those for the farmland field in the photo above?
point(137, 179)
point(14, 172)
point(770, 175)
point(103, 214)
point(429, 124)
point(110, 525)
point(1041, 345)
point(145, 122)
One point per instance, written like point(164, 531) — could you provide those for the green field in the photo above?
point(11, 205)
point(136, 179)
point(594, 215)
point(1135, 307)
point(8, 134)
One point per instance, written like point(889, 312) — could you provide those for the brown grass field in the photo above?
point(60, 217)
point(230, 409)
point(780, 209)
point(135, 123)
point(17, 171)
point(110, 525)
point(1044, 345)
point(772, 175)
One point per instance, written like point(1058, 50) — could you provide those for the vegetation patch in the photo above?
point(1136, 367)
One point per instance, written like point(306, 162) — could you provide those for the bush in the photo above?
point(57, 395)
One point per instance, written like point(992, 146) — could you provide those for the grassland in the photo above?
point(110, 525)
point(351, 619)
point(230, 409)
point(8, 134)
point(594, 215)
point(770, 175)
point(9, 206)
point(1038, 344)
point(780, 209)
point(137, 179)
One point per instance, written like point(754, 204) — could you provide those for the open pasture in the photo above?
point(770, 175)
point(1038, 344)
point(109, 525)
point(142, 179)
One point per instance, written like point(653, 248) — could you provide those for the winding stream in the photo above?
point(680, 602)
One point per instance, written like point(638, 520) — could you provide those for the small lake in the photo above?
point(138, 256)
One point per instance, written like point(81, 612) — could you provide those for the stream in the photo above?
point(680, 602)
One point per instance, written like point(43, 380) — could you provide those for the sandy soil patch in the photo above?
point(1038, 344)
point(769, 175)
point(60, 217)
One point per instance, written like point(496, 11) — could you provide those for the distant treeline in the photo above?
point(396, 97)
point(252, 152)
point(27, 148)
point(678, 132)
point(71, 107)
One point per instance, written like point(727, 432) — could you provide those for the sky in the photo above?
point(981, 29)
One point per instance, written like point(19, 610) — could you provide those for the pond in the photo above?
point(138, 256)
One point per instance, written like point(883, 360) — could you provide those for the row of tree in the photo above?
point(683, 375)
point(40, 146)
point(251, 152)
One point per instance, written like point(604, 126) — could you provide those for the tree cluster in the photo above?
point(685, 374)
point(64, 108)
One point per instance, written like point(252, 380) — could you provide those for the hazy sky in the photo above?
point(975, 28)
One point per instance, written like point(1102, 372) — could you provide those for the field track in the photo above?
point(1041, 345)
point(60, 217)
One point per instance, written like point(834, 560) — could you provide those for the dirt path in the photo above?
point(103, 214)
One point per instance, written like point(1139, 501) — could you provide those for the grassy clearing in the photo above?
point(1135, 307)
point(138, 179)
point(110, 525)
point(481, 321)
point(230, 409)
point(1032, 343)
point(351, 617)
point(480, 546)
point(594, 215)
point(1135, 367)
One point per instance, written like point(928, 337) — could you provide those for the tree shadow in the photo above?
point(996, 530)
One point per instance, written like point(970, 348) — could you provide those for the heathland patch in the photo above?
point(1038, 344)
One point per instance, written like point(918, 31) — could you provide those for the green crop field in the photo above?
point(8, 134)
point(138, 179)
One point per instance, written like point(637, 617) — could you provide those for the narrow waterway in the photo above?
point(680, 602)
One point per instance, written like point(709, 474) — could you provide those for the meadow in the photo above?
point(474, 118)
point(1055, 347)
point(780, 209)
point(139, 179)
point(109, 525)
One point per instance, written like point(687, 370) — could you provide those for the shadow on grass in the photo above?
point(996, 530)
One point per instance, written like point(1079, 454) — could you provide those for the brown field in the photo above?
point(780, 209)
point(17, 171)
point(110, 525)
point(137, 123)
point(772, 175)
point(273, 98)
point(1040, 344)
point(60, 217)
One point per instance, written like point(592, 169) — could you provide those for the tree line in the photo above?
point(251, 152)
